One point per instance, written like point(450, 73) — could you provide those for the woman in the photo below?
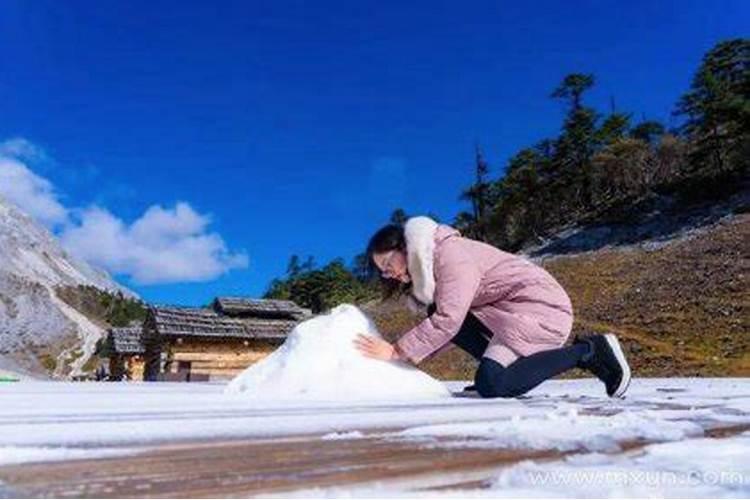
point(508, 313)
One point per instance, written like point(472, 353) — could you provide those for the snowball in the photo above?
point(319, 361)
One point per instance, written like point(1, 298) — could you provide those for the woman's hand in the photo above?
point(376, 348)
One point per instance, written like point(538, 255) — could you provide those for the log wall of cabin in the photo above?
point(217, 358)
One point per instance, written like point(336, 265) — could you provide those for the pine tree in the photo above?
point(308, 265)
point(614, 127)
point(293, 268)
point(360, 267)
point(717, 109)
point(572, 88)
point(647, 131)
point(578, 139)
point(478, 196)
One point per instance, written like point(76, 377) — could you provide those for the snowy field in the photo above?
point(669, 437)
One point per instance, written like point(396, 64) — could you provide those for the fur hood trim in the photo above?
point(420, 249)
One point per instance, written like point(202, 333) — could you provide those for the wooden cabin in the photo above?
point(125, 350)
point(217, 342)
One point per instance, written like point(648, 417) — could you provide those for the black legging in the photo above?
point(494, 380)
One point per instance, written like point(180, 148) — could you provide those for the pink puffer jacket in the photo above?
point(522, 304)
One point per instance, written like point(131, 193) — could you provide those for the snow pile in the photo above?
point(319, 361)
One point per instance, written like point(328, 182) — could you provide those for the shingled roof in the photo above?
point(203, 322)
point(186, 321)
point(126, 340)
point(243, 306)
point(269, 328)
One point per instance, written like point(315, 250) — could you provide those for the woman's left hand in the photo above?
point(376, 348)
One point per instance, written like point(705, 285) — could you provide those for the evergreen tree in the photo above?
point(464, 222)
point(308, 265)
point(614, 127)
point(578, 139)
point(294, 267)
point(717, 109)
point(478, 196)
point(647, 131)
point(324, 288)
point(360, 267)
point(572, 88)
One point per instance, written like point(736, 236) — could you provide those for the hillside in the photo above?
point(680, 308)
point(40, 333)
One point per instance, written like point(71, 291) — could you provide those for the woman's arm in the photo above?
point(457, 279)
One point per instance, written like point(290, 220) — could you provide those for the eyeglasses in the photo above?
point(386, 272)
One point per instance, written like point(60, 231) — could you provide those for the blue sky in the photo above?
point(296, 127)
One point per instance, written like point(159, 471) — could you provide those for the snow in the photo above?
point(698, 468)
point(319, 361)
point(23, 454)
point(694, 468)
point(65, 420)
point(663, 225)
point(343, 435)
point(11, 369)
point(88, 334)
point(591, 432)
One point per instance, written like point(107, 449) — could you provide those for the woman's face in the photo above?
point(392, 264)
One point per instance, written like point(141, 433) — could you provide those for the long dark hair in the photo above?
point(387, 238)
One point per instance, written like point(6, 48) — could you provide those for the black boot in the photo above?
point(606, 360)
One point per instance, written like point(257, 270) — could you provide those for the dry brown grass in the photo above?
point(679, 310)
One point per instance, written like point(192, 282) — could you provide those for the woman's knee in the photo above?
point(492, 380)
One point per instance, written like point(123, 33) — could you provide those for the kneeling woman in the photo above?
point(508, 313)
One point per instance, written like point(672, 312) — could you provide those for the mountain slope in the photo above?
point(679, 307)
point(38, 330)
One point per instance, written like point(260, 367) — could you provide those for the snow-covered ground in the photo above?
point(594, 435)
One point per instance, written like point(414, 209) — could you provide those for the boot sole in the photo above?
point(614, 344)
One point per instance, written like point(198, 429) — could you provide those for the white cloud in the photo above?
point(35, 195)
point(23, 150)
point(164, 245)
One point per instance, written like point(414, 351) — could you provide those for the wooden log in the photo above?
point(222, 366)
point(218, 373)
point(225, 347)
point(217, 355)
point(231, 358)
